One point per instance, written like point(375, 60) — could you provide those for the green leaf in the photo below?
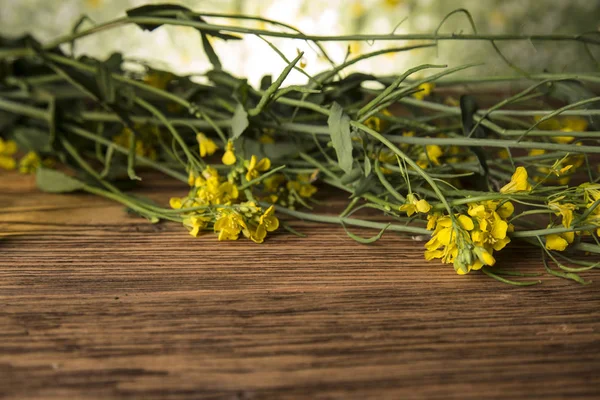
point(280, 150)
point(52, 181)
point(239, 122)
point(352, 176)
point(105, 84)
point(32, 139)
point(114, 62)
point(210, 52)
point(339, 129)
point(367, 165)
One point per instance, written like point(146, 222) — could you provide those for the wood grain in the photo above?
point(96, 304)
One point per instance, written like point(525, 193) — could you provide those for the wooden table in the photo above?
point(98, 304)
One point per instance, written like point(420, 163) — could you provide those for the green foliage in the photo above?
point(52, 181)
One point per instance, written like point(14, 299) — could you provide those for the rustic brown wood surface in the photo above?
point(97, 304)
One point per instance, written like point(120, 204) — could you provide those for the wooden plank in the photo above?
point(97, 304)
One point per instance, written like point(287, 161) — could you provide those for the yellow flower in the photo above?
point(229, 156)
point(267, 222)
point(29, 163)
point(413, 205)
point(227, 192)
point(229, 224)
point(255, 167)
point(591, 192)
point(7, 150)
point(273, 182)
point(518, 182)
point(265, 138)
point(196, 223)
point(207, 146)
point(302, 186)
point(469, 241)
point(175, 203)
point(563, 209)
point(432, 155)
point(503, 154)
point(141, 149)
point(556, 242)
point(562, 240)
point(559, 170)
point(425, 90)
point(565, 124)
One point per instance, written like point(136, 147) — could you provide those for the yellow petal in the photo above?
point(476, 210)
point(518, 182)
point(229, 158)
point(423, 206)
point(409, 209)
point(431, 254)
point(499, 229)
point(486, 257)
point(466, 222)
point(506, 210)
point(431, 221)
point(445, 236)
point(568, 236)
point(500, 244)
point(477, 265)
point(263, 165)
point(175, 202)
point(260, 234)
point(556, 242)
point(8, 148)
point(7, 163)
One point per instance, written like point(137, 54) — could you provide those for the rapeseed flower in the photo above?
point(29, 163)
point(425, 90)
point(255, 167)
point(415, 205)
point(518, 182)
point(7, 150)
point(229, 157)
point(468, 241)
point(206, 145)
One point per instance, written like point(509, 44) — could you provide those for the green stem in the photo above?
point(317, 38)
point(352, 221)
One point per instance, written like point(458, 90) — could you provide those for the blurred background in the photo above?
point(179, 48)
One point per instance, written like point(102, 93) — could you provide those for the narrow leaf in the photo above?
point(32, 139)
point(52, 181)
point(339, 129)
point(239, 122)
point(105, 84)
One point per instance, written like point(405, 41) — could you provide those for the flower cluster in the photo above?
point(286, 192)
point(468, 241)
point(27, 164)
point(143, 146)
point(215, 202)
point(247, 218)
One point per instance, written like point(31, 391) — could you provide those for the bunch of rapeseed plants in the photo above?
point(419, 150)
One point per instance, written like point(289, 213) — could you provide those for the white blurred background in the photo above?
point(179, 48)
